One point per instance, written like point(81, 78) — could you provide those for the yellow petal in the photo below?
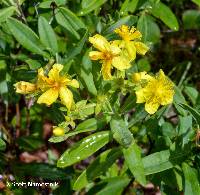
point(121, 63)
point(106, 70)
point(99, 42)
point(48, 97)
point(140, 96)
point(114, 47)
point(96, 55)
point(131, 49)
point(151, 107)
point(141, 48)
point(167, 98)
point(74, 83)
point(43, 81)
point(54, 73)
point(66, 97)
point(25, 87)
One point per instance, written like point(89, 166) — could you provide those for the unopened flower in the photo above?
point(58, 131)
point(54, 86)
point(139, 76)
point(130, 41)
point(109, 54)
point(25, 87)
point(158, 91)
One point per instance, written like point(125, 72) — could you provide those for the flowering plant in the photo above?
point(95, 110)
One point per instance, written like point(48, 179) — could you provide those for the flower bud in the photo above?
point(58, 131)
point(25, 87)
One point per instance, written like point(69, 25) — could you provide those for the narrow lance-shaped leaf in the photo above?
point(25, 36)
point(88, 6)
point(191, 184)
point(69, 20)
point(47, 35)
point(163, 12)
point(133, 159)
point(194, 112)
point(100, 165)
point(84, 148)
point(6, 12)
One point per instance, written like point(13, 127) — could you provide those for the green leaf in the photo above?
point(87, 125)
point(121, 132)
point(25, 36)
point(88, 6)
point(69, 20)
point(86, 74)
point(33, 64)
point(194, 112)
point(197, 2)
point(6, 12)
point(178, 99)
point(191, 19)
point(99, 166)
point(114, 185)
point(192, 93)
point(164, 13)
point(191, 184)
point(133, 159)
point(84, 148)
point(149, 29)
point(160, 161)
point(129, 6)
point(2, 145)
point(47, 35)
point(185, 124)
point(129, 103)
point(74, 51)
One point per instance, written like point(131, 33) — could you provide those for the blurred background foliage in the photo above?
point(35, 33)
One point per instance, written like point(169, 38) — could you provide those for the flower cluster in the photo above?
point(152, 90)
point(118, 55)
point(51, 87)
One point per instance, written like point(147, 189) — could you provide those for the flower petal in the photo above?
point(151, 107)
point(115, 47)
point(121, 63)
point(106, 70)
point(96, 55)
point(141, 48)
point(74, 83)
point(140, 96)
point(99, 42)
point(54, 73)
point(48, 97)
point(66, 97)
point(131, 50)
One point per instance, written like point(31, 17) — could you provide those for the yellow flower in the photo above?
point(130, 43)
point(55, 85)
point(158, 91)
point(58, 131)
point(138, 76)
point(109, 54)
point(25, 87)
